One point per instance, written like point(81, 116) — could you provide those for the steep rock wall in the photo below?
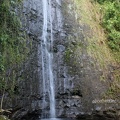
point(76, 74)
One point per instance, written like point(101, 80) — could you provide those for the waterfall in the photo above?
point(47, 59)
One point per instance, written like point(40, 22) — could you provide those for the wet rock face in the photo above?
point(28, 97)
point(68, 99)
point(79, 79)
point(76, 79)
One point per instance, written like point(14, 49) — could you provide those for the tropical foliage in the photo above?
point(12, 44)
point(111, 22)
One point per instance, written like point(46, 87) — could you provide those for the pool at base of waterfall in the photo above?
point(34, 118)
point(79, 118)
point(57, 119)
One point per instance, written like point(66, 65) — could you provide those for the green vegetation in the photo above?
point(10, 40)
point(103, 37)
point(111, 22)
point(97, 46)
point(3, 117)
point(110, 10)
point(12, 46)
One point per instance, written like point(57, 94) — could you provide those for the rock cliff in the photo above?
point(78, 86)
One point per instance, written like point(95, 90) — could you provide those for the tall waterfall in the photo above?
point(47, 58)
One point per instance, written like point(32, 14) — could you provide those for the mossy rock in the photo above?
point(2, 117)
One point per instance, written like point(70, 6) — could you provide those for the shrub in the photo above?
point(111, 22)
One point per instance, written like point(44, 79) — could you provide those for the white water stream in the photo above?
point(47, 58)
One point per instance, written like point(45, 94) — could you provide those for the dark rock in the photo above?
point(60, 48)
point(76, 92)
point(77, 81)
point(110, 113)
point(33, 115)
point(19, 114)
point(83, 116)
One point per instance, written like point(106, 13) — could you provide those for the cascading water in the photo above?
point(47, 57)
point(52, 90)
